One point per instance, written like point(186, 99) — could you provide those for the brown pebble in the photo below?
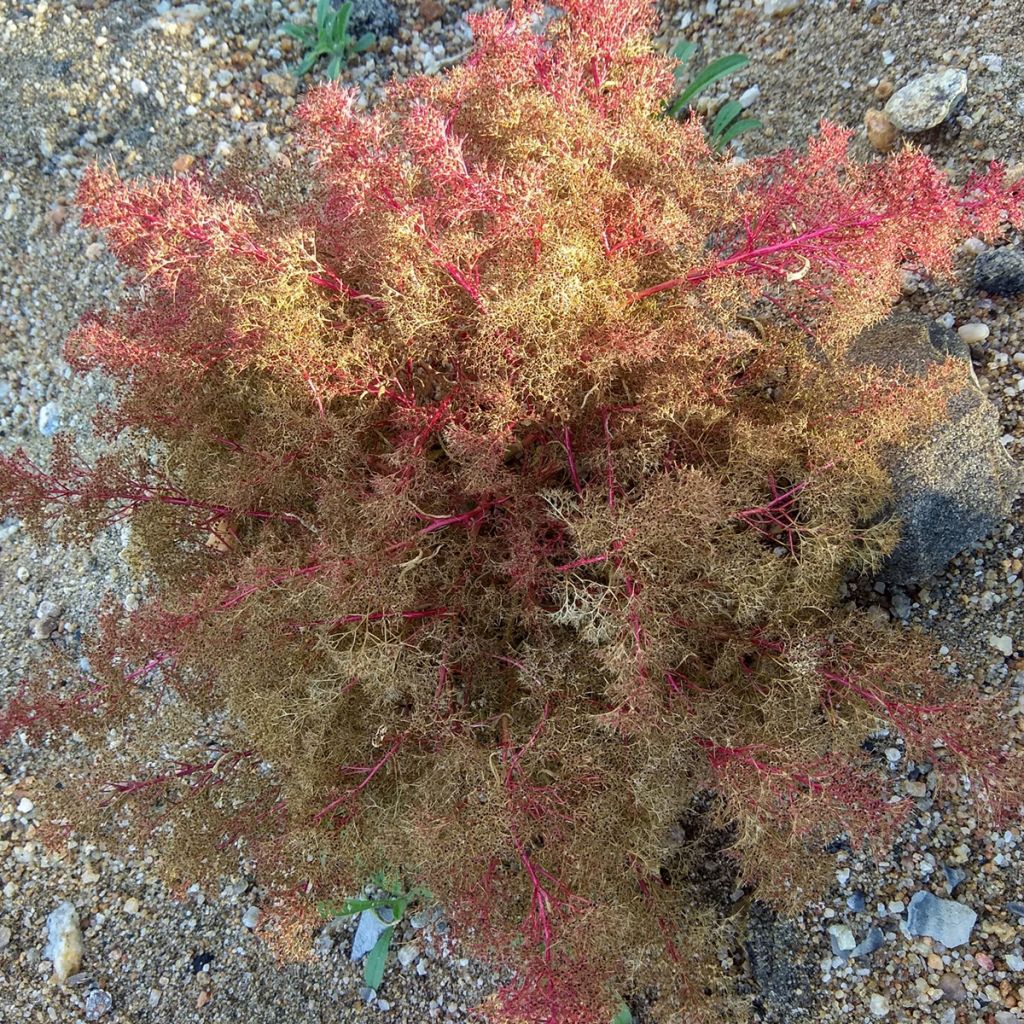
point(203, 998)
point(56, 216)
point(882, 133)
point(884, 89)
point(183, 163)
point(953, 988)
point(430, 10)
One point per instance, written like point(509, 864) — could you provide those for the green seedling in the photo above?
point(397, 902)
point(729, 122)
point(329, 38)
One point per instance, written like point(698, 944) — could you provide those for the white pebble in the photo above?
point(251, 918)
point(139, 87)
point(750, 97)
point(879, 1005)
point(25, 806)
point(1003, 644)
point(972, 333)
point(63, 941)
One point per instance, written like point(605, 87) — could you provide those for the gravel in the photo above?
point(160, 88)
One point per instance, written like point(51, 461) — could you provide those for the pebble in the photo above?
point(1003, 644)
point(927, 101)
point(1000, 271)
point(64, 941)
point(408, 953)
point(777, 8)
point(132, 906)
point(25, 806)
point(874, 940)
point(49, 419)
point(953, 987)
point(251, 918)
point(878, 1005)
point(843, 941)
point(97, 1003)
point(882, 133)
point(750, 97)
point(947, 921)
point(973, 333)
point(1015, 962)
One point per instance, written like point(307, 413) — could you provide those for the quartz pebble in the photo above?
point(64, 941)
point(973, 333)
point(927, 101)
point(947, 921)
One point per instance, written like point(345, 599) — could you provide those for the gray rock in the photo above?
point(856, 902)
point(377, 16)
point(927, 101)
point(1016, 908)
point(97, 1003)
point(1015, 962)
point(408, 953)
point(371, 925)
point(946, 921)
point(1000, 271)
point(251, 918)
point(874, 940)
point(957, 486)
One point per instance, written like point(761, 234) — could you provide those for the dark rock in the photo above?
point(959, 485)
point(1000, 271)
point(377, 16)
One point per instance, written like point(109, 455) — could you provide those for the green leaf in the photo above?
point(340, 34)
point(716, 70)
point(373, 968)
point(682, 52)
point(364, 42)
point(307, 64)
point(323, 12)
point(304, 33)
point(726, 115)
point(334, 67)
point(745, 124)
point(624, 1016)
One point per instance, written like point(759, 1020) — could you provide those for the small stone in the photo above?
point(251, 918)
point(842, 940)
point(25, 806)
point(874, 940)
point(1005, 1017)
point(947, 921)
point(750, 97)
point(878, 1005)
point(139, 87)
point(953, 988)
point(973, 333)
point(1000, 271)
point(1015, 963)
point(430, 10)
point(97, 1003)
point(63, 941)
point(884, 90)
point(286, 85)
point(5, 936)
point(132, 906)
point(408, 953)
point(182, 163)
point(777, 8)
point(916, 788)
point(856, 902)
point(367, 994)
point(422, 966)
point(927, 101)
point(203, 998)
point(935, 962)
point(1016, 908)
point(94, 251)
point(882, 133)
point(89, 875)
point(954, 877)
point(1003, 644)
point(49, 419)
point(991, 62)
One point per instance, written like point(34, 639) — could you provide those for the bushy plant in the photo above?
point(498, 471)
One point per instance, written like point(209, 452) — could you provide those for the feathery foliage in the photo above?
point(509, 469)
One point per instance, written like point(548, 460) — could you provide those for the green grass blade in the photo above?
point(373, 968)
point(334, 67)
point(323, 12)
point(307, 64)
point(745, 124)
point(364, 42)
point(341, 23)
point(726, 115)
point(716, 70)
